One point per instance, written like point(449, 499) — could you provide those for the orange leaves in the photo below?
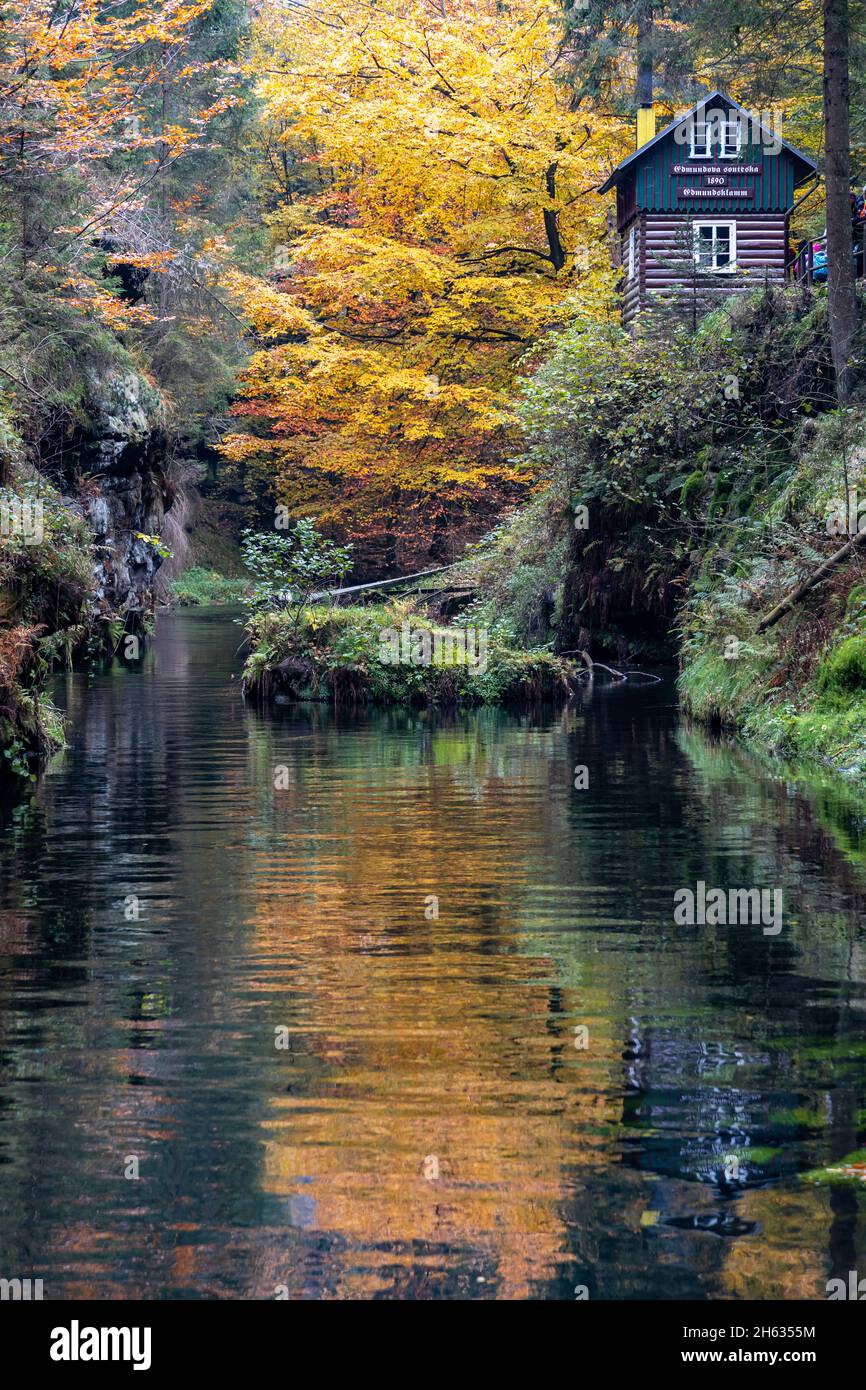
point(435, 212)
point(84, 113)
point(113, 312)
point(66, 74)
point(144, 260)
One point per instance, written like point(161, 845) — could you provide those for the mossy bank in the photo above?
point(390, 654)
point(689, 481)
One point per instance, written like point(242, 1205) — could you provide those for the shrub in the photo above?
point(340, 654)
point(289, 568)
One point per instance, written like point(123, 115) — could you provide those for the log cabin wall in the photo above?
point(667, 263)
point(633, 275)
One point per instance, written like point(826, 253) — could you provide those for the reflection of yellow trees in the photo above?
point(786, 1261)
point(435, 1039)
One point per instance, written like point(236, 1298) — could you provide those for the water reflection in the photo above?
point(317, 977)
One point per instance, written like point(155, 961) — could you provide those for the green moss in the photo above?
point(829, 730)
point(845, 668)
point(799, 1118)
point(856, 603)
point(46, 582)
point(693, 488)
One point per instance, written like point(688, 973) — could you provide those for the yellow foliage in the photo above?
point(445, 217)
point(272, 314)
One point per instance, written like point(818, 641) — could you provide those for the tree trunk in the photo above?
point(551, 222)
point(163, 190)
point(806, 585)
point(842, 299)
point(644, 87)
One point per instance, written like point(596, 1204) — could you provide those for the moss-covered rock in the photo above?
point(46, 588)
point(389, 654)
point(844, 669)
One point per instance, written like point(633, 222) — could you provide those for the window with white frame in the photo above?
point(716, 245)
point(631, 254)
point(718, 131)
point(730, 138)
point(701, 145)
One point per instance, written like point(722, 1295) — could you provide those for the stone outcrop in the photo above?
point(122, 456)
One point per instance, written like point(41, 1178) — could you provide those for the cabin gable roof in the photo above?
point(804, 166)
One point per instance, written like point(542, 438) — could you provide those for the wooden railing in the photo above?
point(800, 268)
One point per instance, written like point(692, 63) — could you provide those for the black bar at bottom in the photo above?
point(243, 1338)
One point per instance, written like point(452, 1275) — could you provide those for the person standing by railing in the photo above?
point(856, 203)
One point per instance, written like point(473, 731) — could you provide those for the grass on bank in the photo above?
point(798, 690)
point(198, 586)
point(214, 570)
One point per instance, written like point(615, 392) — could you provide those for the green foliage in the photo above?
point(198, 586)
point(343, 654)
point(14, 750)
point(706, 463)
point(669, 441)
point(289, 568)
point(46, 580)
point(781, 693)
point(518, 570)
point(55, 570)
point(844, 669)
point(30, 727)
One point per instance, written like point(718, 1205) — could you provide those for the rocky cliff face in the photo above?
point(84, 571)
point(125, 495)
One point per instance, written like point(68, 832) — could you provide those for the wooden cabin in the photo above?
point(702, 207)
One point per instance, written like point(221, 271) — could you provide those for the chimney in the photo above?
point(646, 124)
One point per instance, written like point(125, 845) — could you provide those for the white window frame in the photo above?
point(714, 222)
point(731, 125)
point(701, 135)
point(730, 136)
point(631, 260)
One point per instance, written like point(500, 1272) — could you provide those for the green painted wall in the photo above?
point(656, 185)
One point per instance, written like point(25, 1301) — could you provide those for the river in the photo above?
point(358, 1004)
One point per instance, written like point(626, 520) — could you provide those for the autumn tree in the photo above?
point(75, 81)
point(89, 145)
point(433, 207)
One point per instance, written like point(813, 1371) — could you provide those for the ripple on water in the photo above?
point(419, 1022)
